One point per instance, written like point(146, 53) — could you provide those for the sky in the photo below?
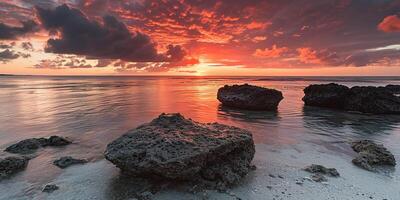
point(200, 37)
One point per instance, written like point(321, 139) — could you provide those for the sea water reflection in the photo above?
point(93, 111)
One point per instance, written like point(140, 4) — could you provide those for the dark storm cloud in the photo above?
point(8, 55)
point(312, 32)
point(110, 39)
point(12, 32)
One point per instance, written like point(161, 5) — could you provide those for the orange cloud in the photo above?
point(309, 56)
point(390, 24)
point(274, 52)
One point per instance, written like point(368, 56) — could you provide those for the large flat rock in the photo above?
point(172, 147)
point(249, 97)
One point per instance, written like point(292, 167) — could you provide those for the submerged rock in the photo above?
point(31, 145)
point(249, 97)
point(375, 100)
point(67, 161)
point(11, 165)
point(56, 141)
point(371, 155)
point(322, 170)
point(172, 147)
point(50, 188)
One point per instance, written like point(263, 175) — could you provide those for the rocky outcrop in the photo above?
point(31, 145)
point(67, 161)
point(173, 147)
point(12, 165)
point(249, 97)
point(375, 100)
point(371, 155)
point(330, 95)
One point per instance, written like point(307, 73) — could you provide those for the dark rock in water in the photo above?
point(326, 95)
point(249, 97)
point(322, 170)
point(371, 155)
point(12, 165)
point(171, 147)
point(375, 100)
point(31, 145)
point(56, 141)
point(67, 161)
point(372, 100)
point(50, 188)
point(24, 146)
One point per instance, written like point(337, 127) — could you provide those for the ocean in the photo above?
point(93, 111)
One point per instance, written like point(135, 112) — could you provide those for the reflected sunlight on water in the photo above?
point(92, 111)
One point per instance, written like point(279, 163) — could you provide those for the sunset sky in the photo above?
point(200, 37)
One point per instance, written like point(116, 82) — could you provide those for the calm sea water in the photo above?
point(93, 111)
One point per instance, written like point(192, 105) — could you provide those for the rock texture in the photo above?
point(249, 97)
point(395, 89)
point(12, 165)
point(67, 161)
point(330, 95)
point(371, 155)
point(375, 100)
point(31, 145)
point(172, 147)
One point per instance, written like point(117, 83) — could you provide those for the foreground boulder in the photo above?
point(371, 155)
point(11, 165)
point(67, 161)
point(172, 147)
point(31, 145)
point(249, 97)
point(375, 100)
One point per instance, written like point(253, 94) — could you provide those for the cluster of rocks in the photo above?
point(172, 147)
point(13, 164)
point(31, 145)
point(375, 100)
point(319, 171)
point(370, 155)
point(249, 97)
